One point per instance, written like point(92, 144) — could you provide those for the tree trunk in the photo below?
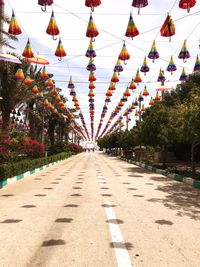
point(164, 154)
point(31, 120)
point(193, 146)
point(5, 119)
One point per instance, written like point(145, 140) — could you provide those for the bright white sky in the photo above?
point(111, 18)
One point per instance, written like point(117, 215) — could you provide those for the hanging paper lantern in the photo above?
point(139, 4)
point(28, 81)
point(54, 91)
point(60, 52)
point(153, 54)
point(143, 108)
point(44, 75)
point(115, 78)
point(118, 67)
point(112, 86)
point(187, 4)
point(197, 64)
point(45, 3)
point(58, 98)
point(124, 55)
point(127, 92)
point(92, 77)
point(92, 3)
point(171, 67)
point(109, 93)
point(184, 53)
point(71, 84)
point(91, 66)
point(91, 100)
point(136, 103)
point(131, 30)
point(132, 85)
point(168, 28)
point(161, 77)
point(90, 51)
point(91, 93)
point(145, 92)
point(19, 74)
point(28, 53)
point(136, 113)
point(137, 78)
point(74, 99)
point(92, 31)
point(14, 28)
point(107, 100)
point(72, 92)
point(49, 83)
point(91, 85)
point(52, 28)
point(184, 76)
point(35, 90)
point(144, 67)
point(140, 98)
point(157, 97)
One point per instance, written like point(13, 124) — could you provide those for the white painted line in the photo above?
point(122, 256)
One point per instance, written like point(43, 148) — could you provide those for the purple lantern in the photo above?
point(45, 3)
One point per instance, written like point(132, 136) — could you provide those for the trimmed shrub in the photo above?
point(8, 170)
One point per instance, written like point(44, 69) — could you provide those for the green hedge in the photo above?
point(12, 169)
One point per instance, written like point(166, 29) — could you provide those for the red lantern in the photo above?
point(92, 3)
point(187, 4)
point(168, 28)
point(92, 31)
point(52, 28)
point(14, 26)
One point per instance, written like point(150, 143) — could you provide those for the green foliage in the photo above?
point(12, 169)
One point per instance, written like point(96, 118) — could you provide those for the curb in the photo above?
point(28, 173)
point(174, 176)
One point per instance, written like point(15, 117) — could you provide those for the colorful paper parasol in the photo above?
point(60, 51)
point(184, 76)
point(91, 66)
point(137, 78)
point(19, 74)
point(28, 53)
point(90, 51)
point(145, 92)
point(197, 64)
point(92, 31)
point(132, 85)
point(171, 67)
point(161, 77)
point(45, 3)
point(131, 30)
point(37, 59)
point(124, 55)
point(187, 4)
point(144, 67)
point(52, 28)
point(184, 53)
point(92, 77)
point(92, 3)
point(164, 88)
point(118, 67)
point(139, 4)
point(115, 78)
point(9, 58)
point(153, 54)
point(14, 28)
point(168, 28)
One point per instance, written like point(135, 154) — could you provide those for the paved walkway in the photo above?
point(93, 210)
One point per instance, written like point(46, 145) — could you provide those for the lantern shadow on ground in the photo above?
point(180, 197)
point(120, 245)
point(53, 242)
point(115, 221)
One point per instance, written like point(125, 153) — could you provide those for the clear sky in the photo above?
point(111, 19)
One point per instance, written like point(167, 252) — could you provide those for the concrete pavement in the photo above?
point(93, 210)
